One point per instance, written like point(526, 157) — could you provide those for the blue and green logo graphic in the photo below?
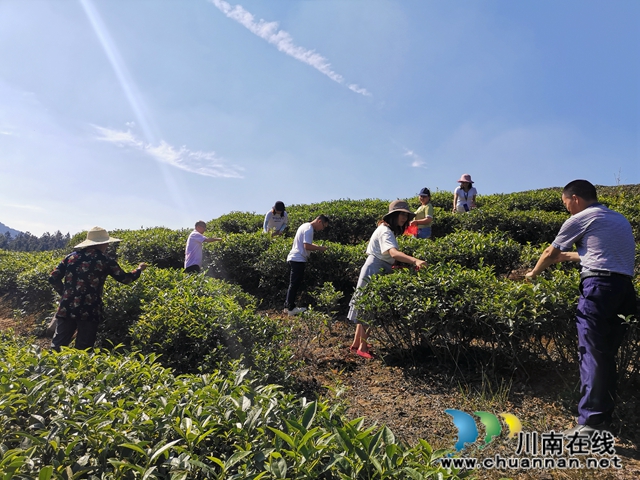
point(468, 430)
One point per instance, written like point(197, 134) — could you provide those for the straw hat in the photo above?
point(97, 236)
point(398, 206)
point(465, 178)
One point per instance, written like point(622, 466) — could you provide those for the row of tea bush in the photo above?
point(527, 217)
point(257, 262)
point(196, 322)
point(79, 415)
point(473, 316)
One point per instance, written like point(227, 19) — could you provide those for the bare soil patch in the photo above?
point(410, 396)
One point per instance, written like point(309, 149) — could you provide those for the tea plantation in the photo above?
point(192, 375)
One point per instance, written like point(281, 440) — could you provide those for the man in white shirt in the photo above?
point(297, 259)
point(193, 250)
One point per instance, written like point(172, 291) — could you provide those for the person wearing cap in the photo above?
point(193, 249)
point(424, 215)
point(382, 252)
point(605, 248)
point(79, 279)
point(464, 196)
point(297, 259)
point(276, 220)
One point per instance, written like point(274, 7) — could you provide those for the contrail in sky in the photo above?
point(283, 42)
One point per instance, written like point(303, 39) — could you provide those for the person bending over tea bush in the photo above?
point(193, 249)
point(80, 278)
point(606, 250)
point(276, 220)
point(382, 252)
point(297, 259)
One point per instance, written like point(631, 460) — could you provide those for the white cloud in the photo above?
point(417, 160)
point(201, 163)
point(34, 208)
point(283, 42)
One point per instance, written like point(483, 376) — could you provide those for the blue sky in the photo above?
point(142, 113)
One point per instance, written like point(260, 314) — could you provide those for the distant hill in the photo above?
point(4, 229)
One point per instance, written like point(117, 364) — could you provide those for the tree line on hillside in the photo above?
point(26, 242)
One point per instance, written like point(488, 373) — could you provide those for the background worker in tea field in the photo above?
point(276, 220)
point(424, 215)
point(382, 253)
point(464, 196)
point(193, 249)
point(79, 279)
point(297, 259)
point(605, 249)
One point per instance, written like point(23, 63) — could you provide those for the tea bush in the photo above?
point(529, 226)
point(89, 415)
point(546, 200)
point(468, 249)
point(454, 312)
point(203, 330)
point(235, 258)
point(448, 308)
point(24, 278)
point(123, 304)
point(237, 222)
point(352, 221)
point(157, 246)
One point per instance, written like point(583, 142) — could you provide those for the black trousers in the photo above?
point(66, 327)
point(296, 275)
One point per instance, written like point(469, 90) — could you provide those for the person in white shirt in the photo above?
point(193, 249)
point(464, 196)
point(276, 220)
point(297, 259)
point(382, 252)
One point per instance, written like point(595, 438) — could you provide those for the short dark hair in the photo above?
point(323, 218)
point(200, 223)
point(581, 188)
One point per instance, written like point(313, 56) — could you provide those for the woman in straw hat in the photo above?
point(79, 279)
point(382, 252)
point(464, 196)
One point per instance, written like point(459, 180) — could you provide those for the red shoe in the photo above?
point(355, 349)
point(367, 355)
